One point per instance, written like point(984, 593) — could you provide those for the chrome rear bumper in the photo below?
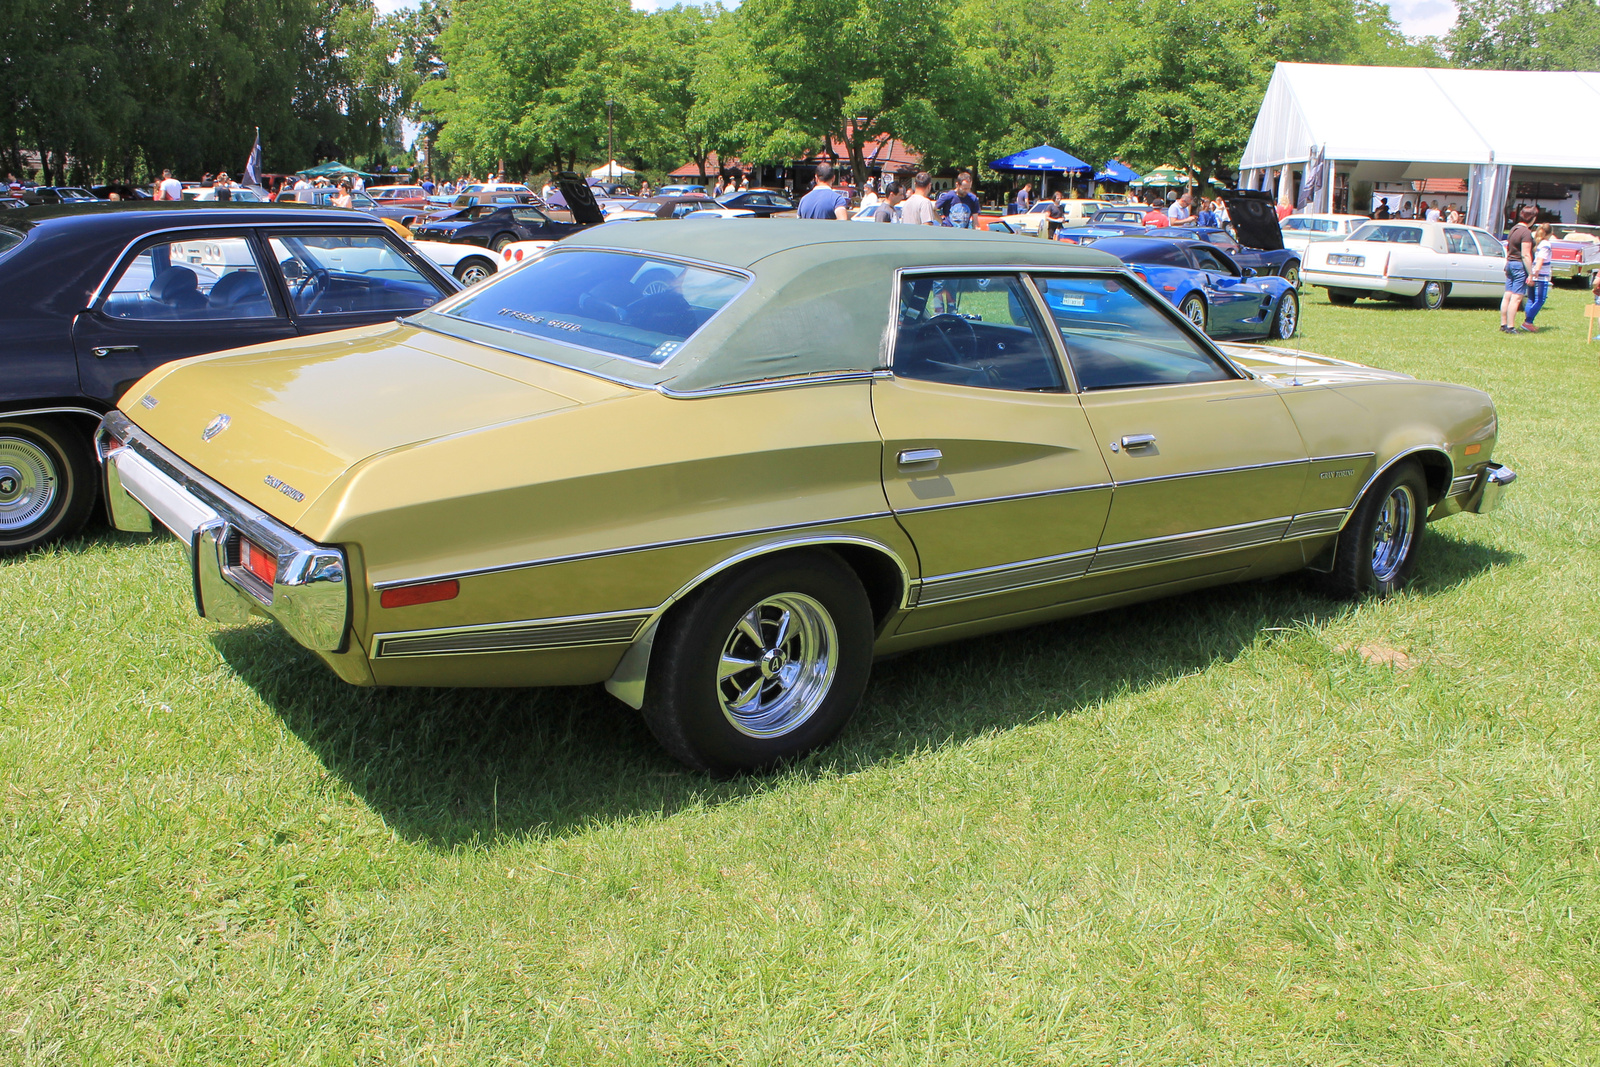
point(310, 593)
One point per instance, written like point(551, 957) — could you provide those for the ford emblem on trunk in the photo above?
point(214, 427)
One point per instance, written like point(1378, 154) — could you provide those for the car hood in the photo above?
point(302, 414)
point(579, 199)
point(1255, 220)
point(1285, 366)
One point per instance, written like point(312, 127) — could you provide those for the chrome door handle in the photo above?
point(1138, 440)
point(925, 458)
point(102, 351)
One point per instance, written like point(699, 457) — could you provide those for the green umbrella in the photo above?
point(1163, 178)
point(333, 169)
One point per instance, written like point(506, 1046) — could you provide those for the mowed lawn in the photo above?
point(1250, 826)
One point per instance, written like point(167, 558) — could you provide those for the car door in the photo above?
point(172, 296)
point(1229, 299)
point(335, 278)
point(1462, 263)
point(1207, 464)
point(988, 463)
point(1491, 260)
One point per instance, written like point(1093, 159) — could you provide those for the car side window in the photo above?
point(529, 216)
point(1460, 241)
point(193, 278)
point(331, 274)
point(1206, 259)
point(973, 330)
point(1116, 336)
point(1487, 245)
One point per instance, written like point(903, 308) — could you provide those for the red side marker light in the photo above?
point(258, 561)
point(429, 593)
point(1169, 288)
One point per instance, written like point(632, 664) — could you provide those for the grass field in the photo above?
point(1253, 826)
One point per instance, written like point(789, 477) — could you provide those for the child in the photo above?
point(1539, 284)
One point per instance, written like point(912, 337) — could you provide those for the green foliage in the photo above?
point(119, 87)
point(1527, 34)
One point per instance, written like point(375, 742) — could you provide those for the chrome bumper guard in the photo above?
point(310, 595)
point(1486, 492)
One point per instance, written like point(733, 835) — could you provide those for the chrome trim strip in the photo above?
point(792, 382)
point(528, 635)
point(1313, 523)
point(921, 509)
point(413, 322)
point(1462, 485)
point(1214, 470)
point(1129, 554)
point(650, 547)
point(1347, 455)
point(964, 585)
point(1443, 450)
point(97, 415)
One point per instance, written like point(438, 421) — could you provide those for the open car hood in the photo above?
point(1255, 219)
point(580, 200)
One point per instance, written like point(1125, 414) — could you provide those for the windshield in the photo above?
point(1388, 233)
point(614, 302)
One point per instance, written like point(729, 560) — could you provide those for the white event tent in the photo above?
point(1375, 128)
point(610, 170)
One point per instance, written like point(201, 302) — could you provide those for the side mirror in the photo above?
point(1247, 272)
point(291, 269)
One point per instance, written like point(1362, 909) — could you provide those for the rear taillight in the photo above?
point(258, 561)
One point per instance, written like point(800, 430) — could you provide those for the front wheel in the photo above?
point(1432, 296)
point(1193, 308)
point(1287, 320)
point(1377, 550)
point(474, 270)
point(47, 482)
point(762, 665)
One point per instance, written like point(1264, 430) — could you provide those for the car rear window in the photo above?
point(627, 305)
point(1388, 233)
point(9, 239)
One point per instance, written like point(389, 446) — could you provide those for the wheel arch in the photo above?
point(881, 571)
point(1437, 471)
point(86, 417)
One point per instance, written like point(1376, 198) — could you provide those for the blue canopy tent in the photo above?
point(1116, 172)
point(1042, 160)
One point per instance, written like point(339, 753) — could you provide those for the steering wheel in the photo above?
point(944, 326)
point(319, 281)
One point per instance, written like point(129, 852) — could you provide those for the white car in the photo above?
point(1425, 261)
point(1301, 230)
point(1073, 213)
point(517, 251)
point(467, 264)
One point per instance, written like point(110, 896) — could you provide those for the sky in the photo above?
point(1417, 18)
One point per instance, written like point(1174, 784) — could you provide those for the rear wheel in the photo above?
point(501, 240)
point(47, 482)
point(1291, 273)
point(1432, 296)
point(473, 270)
point(1377, 551)
point(1193, 308)
point(1342, 297)
point(761, 665)
point(1287, 320)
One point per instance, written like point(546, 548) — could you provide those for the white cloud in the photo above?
point(1424, 18)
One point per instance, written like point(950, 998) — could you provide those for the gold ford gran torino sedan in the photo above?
point(722, 467)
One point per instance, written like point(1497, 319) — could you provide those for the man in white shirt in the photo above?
point(1179, 211)
point(169, 187)
point(918, 208)
point(1432, 214)
point(302, 191)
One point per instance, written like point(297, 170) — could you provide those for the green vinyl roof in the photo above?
point(818, 302)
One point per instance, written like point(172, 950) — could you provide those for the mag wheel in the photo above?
point(473, 271)
point(761, 665)
point(1193, 308)
point(47, 482)
point(1291, 273)
point(1287, 320)
point(1377, 551)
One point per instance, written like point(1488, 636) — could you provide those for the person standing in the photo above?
point(1157, 215)
point(958, 207)
point(917, 209)
point(1519, 268)
point(1382, 211)
point(1539, 281)
point(870, 198)
point(823, 202)
point(889, 206)
point(1024, 198)
point(1208, 214)
point(1179, 211)
point(168, 188)
point(342, 198)
point(1055, 213)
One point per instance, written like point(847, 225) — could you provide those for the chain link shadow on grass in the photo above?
point(447, 767)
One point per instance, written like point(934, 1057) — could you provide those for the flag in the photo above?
point(252, 166)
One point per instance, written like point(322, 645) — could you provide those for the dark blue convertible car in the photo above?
point(1209, 288)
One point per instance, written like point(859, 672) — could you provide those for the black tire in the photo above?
point(1377, 551)
point(501, 240)
point(691, 701)
point(1291, 273)
point(1286, 322)
point(1342, 297)
point(1193, 308)
point(473, 270)
point(48, 481)
point(1432, 296)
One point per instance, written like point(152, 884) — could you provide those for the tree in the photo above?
point(1527, 34)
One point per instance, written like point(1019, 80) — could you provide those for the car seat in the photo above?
point(178, 287)
point(239, 290)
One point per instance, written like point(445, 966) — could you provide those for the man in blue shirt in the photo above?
point(958, 207)
point(823, 202)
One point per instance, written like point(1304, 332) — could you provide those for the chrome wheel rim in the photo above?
point(473, 275)
point(1292, 276)
point(1195, 312)
point(777, 665)
point(1391, 533)
point(28, 482)
point(1288, 316)
point(1432, 294)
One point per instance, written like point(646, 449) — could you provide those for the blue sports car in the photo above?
point(1284, 262)
point(1209, 288)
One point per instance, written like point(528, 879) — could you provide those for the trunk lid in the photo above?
point(279, 424)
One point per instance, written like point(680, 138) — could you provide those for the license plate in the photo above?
point(1072, 301)
point(1347, 261)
